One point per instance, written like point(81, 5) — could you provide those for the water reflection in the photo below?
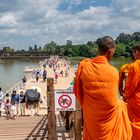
point(11, 71)
point(117, 62)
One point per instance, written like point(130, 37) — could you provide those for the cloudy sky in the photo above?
point(26, 22)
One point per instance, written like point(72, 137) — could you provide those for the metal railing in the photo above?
point(30, 68)
point(17, 86)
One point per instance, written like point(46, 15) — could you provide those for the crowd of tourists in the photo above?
point(58, 66)
point(17, 104)
point(37, 74)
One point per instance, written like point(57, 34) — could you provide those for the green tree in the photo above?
point(84, 50)
point(68, 43)
point(76, 50)
point(120, 50)
point(136, 36)
point(8, 51)
point(69, 51)
point(89, 43)
point(129, 49)
point(50, 47)
point(57, 50)
point(62, 51)
point(92, 51)
point(124, 38)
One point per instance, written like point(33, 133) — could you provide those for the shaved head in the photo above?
point(136, 52)
point(104, 44)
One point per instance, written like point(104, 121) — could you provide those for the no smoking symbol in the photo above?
point(64, 101)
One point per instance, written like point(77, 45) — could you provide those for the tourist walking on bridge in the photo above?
point(24, 80)
point(13, 110)
point(15, 98)
point(22, 103)
point(37, 75)
point(44, 75)
point(96, 88)
point(7, 106)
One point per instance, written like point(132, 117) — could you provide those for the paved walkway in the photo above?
point(62, 83)
point(30, 128)
point(24, 128)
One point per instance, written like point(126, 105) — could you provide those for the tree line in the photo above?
point(124, 46)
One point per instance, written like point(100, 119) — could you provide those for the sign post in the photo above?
point(64, 101)
point(51, 111)
point(78, 122)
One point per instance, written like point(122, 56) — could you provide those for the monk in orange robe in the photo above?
point(123, 75)
point(132, 94)
point(96, 86)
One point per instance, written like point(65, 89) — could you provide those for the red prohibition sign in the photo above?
point(64, 101)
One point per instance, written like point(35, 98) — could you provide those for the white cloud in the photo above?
point(41, 20)
point(125, 16)
point(8, 19)
point(127, 7)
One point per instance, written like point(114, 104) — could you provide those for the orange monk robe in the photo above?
point(132, 96)
point(123, 74)
point(95, 86)
point(124, 69)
